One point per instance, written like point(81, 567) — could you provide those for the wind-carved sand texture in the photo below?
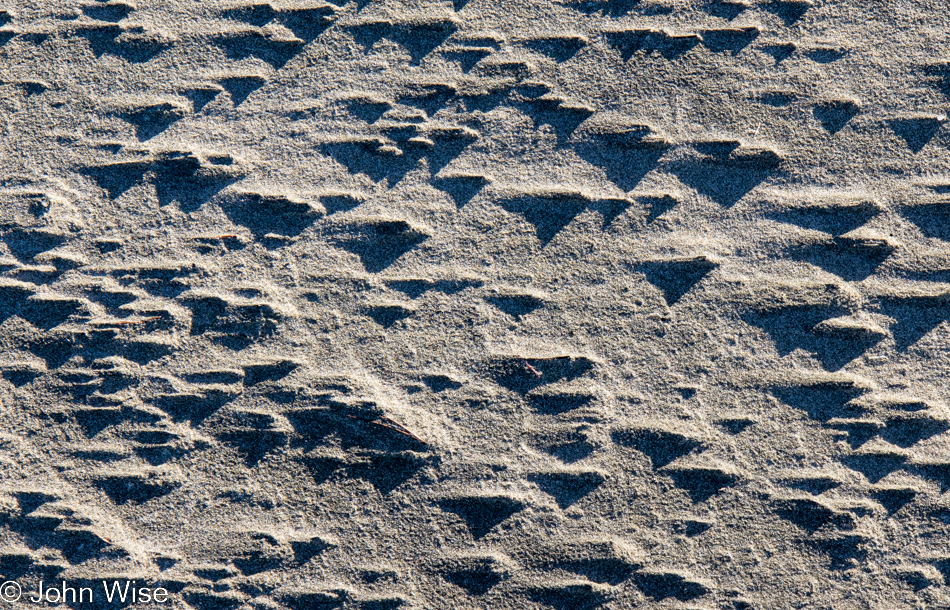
point(488, 304)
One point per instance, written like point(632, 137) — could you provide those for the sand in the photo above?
point(518, 304)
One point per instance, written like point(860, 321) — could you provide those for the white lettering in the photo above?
point(117, 588)
point(39, 594)
point(160, 595)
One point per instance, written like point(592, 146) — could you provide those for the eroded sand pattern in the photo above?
point(516, 304)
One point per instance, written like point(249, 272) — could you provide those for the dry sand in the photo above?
point(487, 304)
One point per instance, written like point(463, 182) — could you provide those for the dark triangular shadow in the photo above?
point(777, 99)
point(658, 204)
point(27, 243)
point(724, 183)
point(201, 95)
point(916, 316)
point(917, 132)
point(835, 114)
point(240, 87)
point(420, 39)
point(368, 33)
point(894, 498)
point(522, 375)
point(843, 258)
point(548, 215)
point(794, 328)
point(660, 586)
point(562, 117)
point(387, 315)
point(378, 242)
point(477, 581)
point(908, 431)
point(340, 202)
point(275, 51)
point(596, 561)
point(306, 549)
point(413, 288)
point(467, 58)
point(47, 313)
point(611, 8)
point(732, 40)
point(574, 596)
point(445, 151)
point(939, 76)
point(366, 433)
point(933, 219)
point(265, 213)
point(609, 208)
point(254, 444)
point(372, 158)
point(322, 468)
point(482, 513)
point(727, 9)
point(461, 187)
point(821, 402)
point(428, 97)
point(825, 55)
point(516, 305)
point(134, 488)
point(568, 448)
point(152, 120)
point(19, 376)
point(313, 425)
point(874, 466)
point(554, 403)
point(735, 425)
point(112, 11)
point(779, 52)
point(836, 221)
point(190, 192)
point(387, 471)
point(676, 277)
point(937, 472)
point(166, 282)
point(441, 383)
point(567, 487)
point(94, 420)
point(103, 40)
point(32, 87)
point(661, 446)
point(789, 10)
point(116, 178)
point(558, 48)
point(700, 483)
point(194, 408)
point(486, 101)
point(253, 14)
point(368, 109)
point(811, 515)
point(360, 4)
point(858, 432)
point(843, 550)
point(813, 484)
point(308, 23)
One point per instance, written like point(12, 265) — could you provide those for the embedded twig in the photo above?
point(531, 368)
point(389, 424)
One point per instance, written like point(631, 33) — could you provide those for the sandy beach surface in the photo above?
point(380, 304)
